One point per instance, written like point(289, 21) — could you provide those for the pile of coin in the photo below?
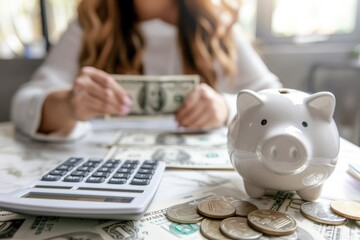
point(335, 213)
point(225, 217)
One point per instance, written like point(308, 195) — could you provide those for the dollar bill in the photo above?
point(49, 228)
point(152, 95)
point(155, 225)
point(136, 138)
point(180, 157)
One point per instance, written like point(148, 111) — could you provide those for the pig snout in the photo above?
point(284, 154)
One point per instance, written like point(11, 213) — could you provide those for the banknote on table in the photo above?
point(155, 225)
point(215, 138)
point(290, 203)
point(48, 228)
point(153, 95)
point(180, 157)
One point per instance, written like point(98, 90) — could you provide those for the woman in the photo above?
point(153, 37)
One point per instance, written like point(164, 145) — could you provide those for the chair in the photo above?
point(13, 73)
point(343, 80)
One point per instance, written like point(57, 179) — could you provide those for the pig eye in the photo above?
point(263, 122)
point(305, 124)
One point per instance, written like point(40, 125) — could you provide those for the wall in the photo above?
point(13, 72)
point(292, 63)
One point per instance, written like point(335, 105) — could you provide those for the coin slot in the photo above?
point(283, 91)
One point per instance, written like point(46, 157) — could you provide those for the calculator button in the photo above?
point(57, 172)
point(122, 175)
point(128, 165)
point(64, 167)
point(86, 169)
point(134, 162)
point(143, 176)
point(72, 161)
point(79, 173)
point(151, 162)
point(51, 178)
point(95, 180)
point(108, 165)
point(146, 171)
point(114, 161)
point(105, 169)
point(125, 170)
point(95, 160)
point(100, 174)
point(117, 181)
point(90, 164)
point(137, 181)
point(73, 179)
point(148, 166)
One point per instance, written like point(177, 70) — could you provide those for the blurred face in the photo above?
point(150, 9)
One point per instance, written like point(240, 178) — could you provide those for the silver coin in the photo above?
point(272, 222)
point(237, 228)
point(321, 213)
point(183, 213)
point(214, 208)
point(210, 229)
point(242, 208)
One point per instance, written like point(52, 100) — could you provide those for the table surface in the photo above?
point(23, 160)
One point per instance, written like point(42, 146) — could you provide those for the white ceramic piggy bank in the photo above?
point(284, 140)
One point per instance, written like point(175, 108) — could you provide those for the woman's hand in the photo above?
point(95, 93)
point(202, 108)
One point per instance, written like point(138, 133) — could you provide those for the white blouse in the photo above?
point(162, 57)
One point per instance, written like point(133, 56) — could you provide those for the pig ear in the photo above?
point(323, 103)
point(247, 99)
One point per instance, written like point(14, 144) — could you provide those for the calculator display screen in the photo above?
point(74, 197)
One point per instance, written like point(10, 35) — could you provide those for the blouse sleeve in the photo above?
point(58, 71)
point(251, 73)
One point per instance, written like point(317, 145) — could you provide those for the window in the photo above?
point(301, 21)
point(21, 25)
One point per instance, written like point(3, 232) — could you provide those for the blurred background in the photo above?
point(311, 45)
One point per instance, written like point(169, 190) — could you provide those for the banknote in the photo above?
point(49, 228)
point(140, 138)
point(155, 225)
point(153, 95)
point(180, 157)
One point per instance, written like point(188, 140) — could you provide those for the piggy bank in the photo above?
point(284, 140)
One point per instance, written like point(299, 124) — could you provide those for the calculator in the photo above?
point(90, 188)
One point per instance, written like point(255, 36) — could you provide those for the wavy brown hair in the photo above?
point(113, 42)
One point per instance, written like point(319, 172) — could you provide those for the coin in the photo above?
point(183, 213)
point(210, 228)
point(321, 213)
point(346, 208)
point(243, 208)
point(272, 222)
point(237, 228)
point(214, 208)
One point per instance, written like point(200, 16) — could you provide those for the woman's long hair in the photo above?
point(113, 42)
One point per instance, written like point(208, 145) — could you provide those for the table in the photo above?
point(23, 160)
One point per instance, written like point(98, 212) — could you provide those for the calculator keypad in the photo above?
point(112, 171)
